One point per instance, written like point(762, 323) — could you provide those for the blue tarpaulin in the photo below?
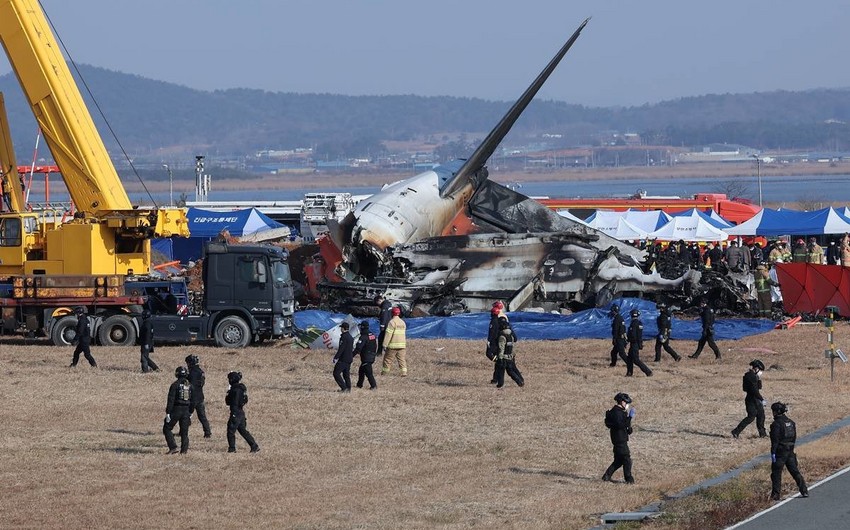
point(589, 324)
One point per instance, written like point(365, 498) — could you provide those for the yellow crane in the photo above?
point(108, 236)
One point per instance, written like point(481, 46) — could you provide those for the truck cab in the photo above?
point(248, 298)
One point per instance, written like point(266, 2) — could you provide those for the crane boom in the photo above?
point(11, 192)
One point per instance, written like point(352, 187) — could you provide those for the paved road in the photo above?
point(827, 507)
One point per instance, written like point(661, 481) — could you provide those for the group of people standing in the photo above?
point(783, 433)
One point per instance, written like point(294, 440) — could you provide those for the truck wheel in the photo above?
point(232, 332)
point(117, 330)
point(64, 331)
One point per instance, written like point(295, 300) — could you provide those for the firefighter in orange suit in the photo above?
point(395, 343)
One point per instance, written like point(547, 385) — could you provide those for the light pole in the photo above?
point(171, 185)
point(758, 175)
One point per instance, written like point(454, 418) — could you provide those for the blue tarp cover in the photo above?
point(589, 324)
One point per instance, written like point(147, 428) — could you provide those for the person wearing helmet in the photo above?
point(146, 342)
point(497, 311)
point(506, 355)
point(635, 338)
point(619, 423)
point(385, 314)
point(395, 344)
point(343, 358)
point(801, 253)
point(763, 283)
point(706, 316)
point(178, 409)
point(816, 254)
point(783, 437)
point(618, 336)
point(367, 349)
point(197, 379)
point(753, 401)
point(82, 339)
point(664, 323)
point(236, 398)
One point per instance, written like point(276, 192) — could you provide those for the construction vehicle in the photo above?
point(101, 258)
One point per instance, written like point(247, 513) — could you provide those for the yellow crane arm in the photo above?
point(10, 181)
point(59, 109)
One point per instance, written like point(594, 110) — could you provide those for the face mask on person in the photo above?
point(758, 373)
point(626, 407)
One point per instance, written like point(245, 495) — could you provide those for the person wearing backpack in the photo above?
point(506, 356)
point(367, 349)
point(619, 422)
point(783, 437)
point(178, 409)
point(197, 379)
point(236, 399)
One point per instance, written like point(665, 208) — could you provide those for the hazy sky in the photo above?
point(632, 52)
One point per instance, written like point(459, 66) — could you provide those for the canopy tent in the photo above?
point(694, 227)
point(710, 216)
point(616, 226)
point(565, 213)
point(808, 288)
point(770, 222)
point(644, 221)
point(206, 224)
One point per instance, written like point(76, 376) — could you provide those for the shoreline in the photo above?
point(317, 181)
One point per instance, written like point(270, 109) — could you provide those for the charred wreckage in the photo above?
point(449, 241)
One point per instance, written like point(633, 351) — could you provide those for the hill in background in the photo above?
point(154, 119)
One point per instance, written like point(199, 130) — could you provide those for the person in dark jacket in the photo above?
point(664, 323)
point(178, 409)
point(618, 336)
point(635, 337)
point(146, 343)
point(753, 401)
point(82, 338)
point(706, 316)
point(783, 437)
point(197, 378)
point(385, 314)
point(619, 423)
point(236, 399)
point(506, 355)
point(498, 310)
point(343, 358)
point(833, 253)
point(367, 349)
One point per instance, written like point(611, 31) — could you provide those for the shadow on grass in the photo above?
point(131, 450)
point(448, 383)
point(548, 473)
point(132, 433)
point(700, 433)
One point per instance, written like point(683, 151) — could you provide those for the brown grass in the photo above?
point(441, 448)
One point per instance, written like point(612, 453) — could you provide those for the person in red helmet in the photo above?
point(498, 310)
point(395, 344)
point(801, 253)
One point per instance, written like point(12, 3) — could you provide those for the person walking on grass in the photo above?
point(783, 437)
point(343, 358)
point(198, 379)
point(664, 323)
point(367, 349)
point(506, 355)
point(753, 401)
point(146, 343)
point(236, 398)
point(706, 316)
point(618, 336)
point(395, 344)
point(635, 338)
point(619, 423)
point(178, 409)
point(82, 338)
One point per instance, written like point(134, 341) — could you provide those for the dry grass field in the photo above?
point(83, 448)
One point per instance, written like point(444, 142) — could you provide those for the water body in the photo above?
point(775, 189)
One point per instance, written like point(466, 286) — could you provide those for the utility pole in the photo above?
point(170, 185)
point(758, 175)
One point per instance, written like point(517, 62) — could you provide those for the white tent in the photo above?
point(643, 222)
point(567, 215)
point(620, 229)
point(694, 227)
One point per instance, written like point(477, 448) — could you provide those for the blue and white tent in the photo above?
point(692, 226)
point(770, 222)
point(710, 217)
point(643, 221)
point(207, 224)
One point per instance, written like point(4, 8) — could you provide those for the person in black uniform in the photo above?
point(83, 338)
point(236, 399)
point(197, 378)
point(618, 336)
point(367, 349)
point(178, 410)
point(505, 355)
point(707, 317)
point(384, 316)
point(783, 436)
point(664, 323)
point(493, 335)
point(343, 358)
point(754, 402)
point(635, 336)
point(146, 342)
point(833, 253)
point(619, 422)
